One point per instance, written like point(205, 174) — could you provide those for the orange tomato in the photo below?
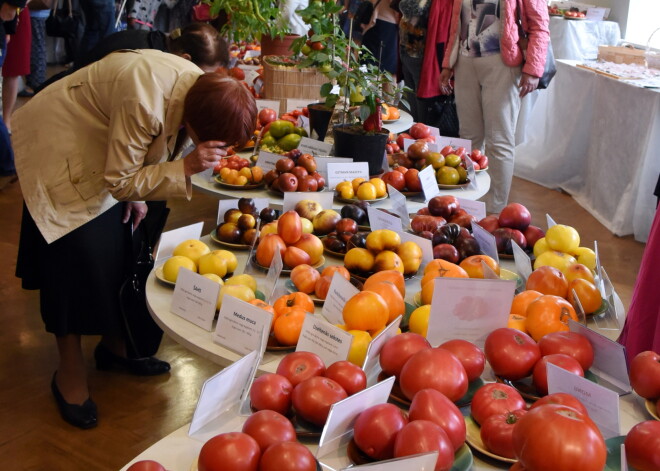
point(522, 300)
point(548, 314)
point(472, 265)
point(330, 271)
point(366, 311)
point(322, 287)
point(393, 276)
point(297, 299)
point(390, 293)
point(304, 277)
point(287, 327)
point(587, 293)
point(266, 307)
point(445, 268)
point(517, 322)
point(548, 280)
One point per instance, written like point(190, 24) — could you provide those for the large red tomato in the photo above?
point(397, 350)
point(645, 374)
point(420, 131)
point(561, 399)
point(349, 376)
point(495, 399)
point(540, 375)
point(497, 432)
point(376, 428)
point(512, 354)
point(287, 456)
point(233, 451)
point(470, 356)
point(434, 368)
point(268, 427)
point(146, 465)
point(550, 437)
point(424, 436)
point(266, 115)
point(313, 398)
point(299, 366)
point(429, 404)
point(569, 343)
point(643, 446)
point(271, 391)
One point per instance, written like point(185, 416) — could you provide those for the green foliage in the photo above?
point(249, 19)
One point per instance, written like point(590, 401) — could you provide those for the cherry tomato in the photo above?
point(146, 465)
point(497, 432)
point(470, 356)
point(299, 366)
point(348, 375)
point(287, 456)
point(313, 398)
point(643, 446)
point(645, 374)
point(233, 451)
point(424, 436)
point(512, 354)
point(429, 404)
point(569, 343)
point(434, 368)
point(268, 427)
point(376, 428)
point(495, 399)
point(540, 375)
point(271, 391)
point(397, 350)
point(562, 399)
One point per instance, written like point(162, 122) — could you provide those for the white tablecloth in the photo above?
point(579, 39)
point(596, 138)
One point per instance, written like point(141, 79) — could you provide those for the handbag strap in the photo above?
point(56, 4)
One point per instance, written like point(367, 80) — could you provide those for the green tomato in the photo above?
point(306, 50)
point(300, 131)
point(289, 142)
point(280, 128)
point(357, 96)
point(325, 68)
point(268, 141)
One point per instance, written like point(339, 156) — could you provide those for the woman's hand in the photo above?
point(135, 209)
point(528, 83)
point(445, 84)
point(206, 155)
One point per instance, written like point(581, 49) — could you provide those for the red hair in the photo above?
point(220, 108)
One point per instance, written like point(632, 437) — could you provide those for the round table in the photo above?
point(402, 124)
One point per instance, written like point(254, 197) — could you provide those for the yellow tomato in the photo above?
point(419, 320)
point(381, 188)
point(367, 191)
point(562, 238)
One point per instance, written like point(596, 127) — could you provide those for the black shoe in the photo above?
point(82, 416)
point(148, 366)
point(25, 93)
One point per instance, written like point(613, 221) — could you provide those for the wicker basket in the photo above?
point(621, 55)
point(282, 82)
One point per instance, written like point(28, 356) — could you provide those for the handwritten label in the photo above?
point(338, 173)
point(425, 244)
point(340, 291)
point(267, 160)
point(195, 298)
point(381, 220)
point(455, 142)
point(596, 14)
point(475, 208)
point(292, 198)
point(272, 104)
point(399, 205)
point(486, 241)
point(429, 183)
point(314, 147)
point(240, 325)
point(272, 276)
point(331, 343)
point(232, 203)
point(376, 345)
point(522, 260)
point(322, 164)
point(170, 239)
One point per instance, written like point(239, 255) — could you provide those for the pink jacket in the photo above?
point(534, 14)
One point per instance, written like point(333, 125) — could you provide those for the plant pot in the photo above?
point(319, 119)
point(351, 141)
point(277, 46)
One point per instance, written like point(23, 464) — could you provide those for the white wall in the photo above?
point(643, 19)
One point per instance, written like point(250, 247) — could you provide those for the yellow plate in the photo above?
point(473, 438)
point(652, 409)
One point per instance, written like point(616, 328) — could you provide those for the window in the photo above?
point(643, 19)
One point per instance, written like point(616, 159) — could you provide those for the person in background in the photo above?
point(39, 11)
point(99, 22)
point(347, 14)
point(492, 74)
point(380, 36)
point(142, 15)
point(116, 131)
point(16, 64)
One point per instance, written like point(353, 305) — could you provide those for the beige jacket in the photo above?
point(103, 134)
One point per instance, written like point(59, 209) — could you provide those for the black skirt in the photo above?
point(78, 275)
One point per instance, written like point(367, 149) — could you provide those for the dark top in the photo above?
point(9, 27)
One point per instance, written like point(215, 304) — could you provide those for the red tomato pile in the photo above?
point(233, 162)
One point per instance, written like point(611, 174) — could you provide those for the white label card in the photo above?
point(472, 176)
point(429, 183)
point(601, 403)
point(486, 241)
point(240, 325)
point(376, 345)
point(421, 462)
point(331, 343)
point(272, 276)
point(381, 220)
point(272, 104)
point(170, 239)
point(399, 205)
point(624, 460)
point(304, 123)
point(425, 244)
point(252, 53)
point(609, 359)
point(232, 203)
point(522, 260)
point(435, 132)
point(340, 291)
point(599, 271)
point(407, 143)
point(551, 222)
point(314, 147)
point(296, 104)
point(338, 173)
point(455, 142)
point(250, 75)
point(291, 198)
point(475, 208)
point(596, 14)
point(195, 298)
point(322, 164)
point(468, 308)
point(267, 160)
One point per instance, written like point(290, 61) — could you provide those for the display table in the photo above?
point(579, 39)
point(597, 139)
point(402, 124)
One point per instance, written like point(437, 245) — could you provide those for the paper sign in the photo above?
point(420, 462)
point(340, 291)
point(551, 222)
point(232, 203)
point(322, 164)
point(240, 325)
point(455, 142)
point(475, 208)
point(472, 176)
point(170, 239)
point(486, 241)
point(407, 143)
point(222, 392)
point(291, 198)
point(381, 220)
point(399, 205)
point(195, 298)
point(523, 262)
point(596, 14)
point(599, 271)
point(251, 75)
point(609, 359)
point(304, 123)
point(468, 308)
point(252, 53)
point(601, 403)
point(376, 345)
point(425, 244)
point(435, 132)
point(272, 104)
point(297, 104)
point(429, 183)
point(272, 276)
point(338, 173)
point(267, 160)
point(314, 147)
point(331, 343)
point(624, 460)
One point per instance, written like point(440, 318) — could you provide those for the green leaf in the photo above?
point(325, 89)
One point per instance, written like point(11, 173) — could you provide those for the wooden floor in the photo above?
point(136, 412)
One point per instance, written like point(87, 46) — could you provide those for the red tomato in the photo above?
point(401, 137)
point(460, 151)
point(424, 436)
point(562, 399)
point(420, 131)
point(271, 391)
point(429, 404)
point(645, 374)
point(512, 354)
point(497, 432)
point(299, 366)
point(569, 343)
point(376, 428)
point(540, 375)
point(470, 356)
point(287, 456)
point(397, 350)
point(446, 150)
point(348, 375)
point(233, 451)
point(268, 427)
point(434, 368)
point(267, 115)
point(495, 399)
point(313, 398)
point(146, 465)
point(643, 446)
point(542, 436)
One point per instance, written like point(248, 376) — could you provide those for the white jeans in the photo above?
point(488, 104)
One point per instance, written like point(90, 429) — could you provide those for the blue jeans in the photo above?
point(99, 22)
point(6, 152)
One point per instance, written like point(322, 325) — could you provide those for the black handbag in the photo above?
point(442, 114)
point(550, 68)
point(365, 11)
point(63, 22)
